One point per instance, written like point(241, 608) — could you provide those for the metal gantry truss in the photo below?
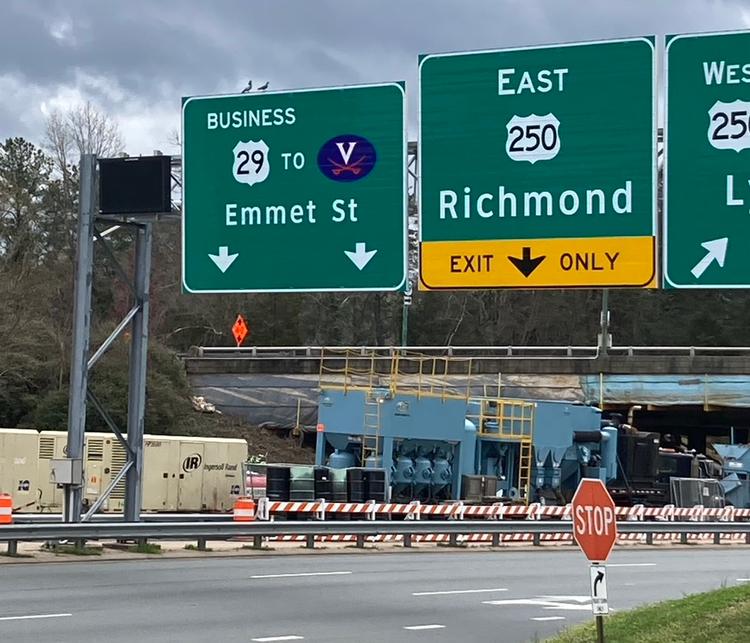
point(81, 363)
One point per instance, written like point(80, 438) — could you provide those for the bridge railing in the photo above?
point(389, 352)
point(475, 352)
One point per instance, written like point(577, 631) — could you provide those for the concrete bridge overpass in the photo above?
point(697, 391)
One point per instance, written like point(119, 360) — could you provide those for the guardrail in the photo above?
point(475, 352)
point(388, 352)
point(357, 530)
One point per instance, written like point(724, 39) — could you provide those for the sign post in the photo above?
point(707, 156)
point(537, 167)
point(595, 531)
point(295, 191)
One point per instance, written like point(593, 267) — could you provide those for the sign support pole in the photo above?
point(604, 324)
point(137, 373)
point(81, 333)
point(599, 628)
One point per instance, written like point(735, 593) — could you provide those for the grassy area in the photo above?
point(145, 548)
point(722, 616)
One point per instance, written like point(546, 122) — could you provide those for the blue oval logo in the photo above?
point(346, 158)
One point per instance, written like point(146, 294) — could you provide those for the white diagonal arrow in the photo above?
point(717, 250)
point(361, 256)
point(223, 260)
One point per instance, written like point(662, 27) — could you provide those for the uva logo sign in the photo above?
point(347, 158)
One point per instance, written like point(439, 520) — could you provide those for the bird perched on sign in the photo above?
point(262, 87)
point(248, 88)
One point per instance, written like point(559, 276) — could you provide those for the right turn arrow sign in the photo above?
point(717, 250)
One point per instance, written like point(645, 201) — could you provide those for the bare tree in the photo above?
point(81, 130)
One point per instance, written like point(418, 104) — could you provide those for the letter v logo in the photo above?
point(346, 153)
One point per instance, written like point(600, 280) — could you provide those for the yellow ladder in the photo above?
point(524, 470)
point(371, 429)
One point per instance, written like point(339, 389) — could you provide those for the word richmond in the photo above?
point(503, 203)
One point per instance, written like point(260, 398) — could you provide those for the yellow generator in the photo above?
point(180, 473)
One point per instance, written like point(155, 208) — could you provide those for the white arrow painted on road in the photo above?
point(360, 257)
point(717, 250)
point(223, 260)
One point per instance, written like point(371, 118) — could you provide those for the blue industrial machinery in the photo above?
point(736, 470)
point(432, 444)
point(439, 436)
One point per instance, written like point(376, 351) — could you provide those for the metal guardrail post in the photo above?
point(257, 542)
point(453, 540)
point(649, 538)
point(12, 548)
point(202, 545)
point(360, 541)
point(495, 540)
point(407, 540)
point(537, 540)
point(310, 541)
point(717, 538)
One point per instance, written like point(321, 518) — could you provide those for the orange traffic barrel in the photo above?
point(244, 509)
point(6, 509)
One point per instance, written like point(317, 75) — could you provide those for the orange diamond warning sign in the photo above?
point(240, 330)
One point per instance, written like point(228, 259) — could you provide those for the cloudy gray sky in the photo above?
point(135, 59)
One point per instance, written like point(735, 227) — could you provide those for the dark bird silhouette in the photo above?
point(248, 88)
point(262, 87)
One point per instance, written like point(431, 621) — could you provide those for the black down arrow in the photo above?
point(599, 578)
point(526, 265)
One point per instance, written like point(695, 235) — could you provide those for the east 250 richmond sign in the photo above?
point(537, 167)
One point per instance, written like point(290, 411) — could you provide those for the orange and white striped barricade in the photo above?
point(6, 518)
point(6, 509)
point(244, 510)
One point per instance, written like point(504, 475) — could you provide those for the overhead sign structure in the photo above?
point(295, 191)
point(594, 521)
point(537, 167)
point(707, 156)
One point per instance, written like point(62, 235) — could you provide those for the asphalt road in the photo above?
point(415, 596)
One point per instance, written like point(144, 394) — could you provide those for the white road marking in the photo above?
point(460, 591)
point(579, 603)
point(631, 565)
point(269, 639)
point(547, 618)
point(300, 574)
point(424, 627)
point(32, 616)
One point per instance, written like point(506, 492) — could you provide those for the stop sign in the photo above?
point(594, 523)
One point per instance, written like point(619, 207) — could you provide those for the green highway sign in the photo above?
point(537, 167)
point(295, 191)
point(707, 158)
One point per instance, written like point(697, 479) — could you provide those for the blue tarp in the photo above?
point(668, 390)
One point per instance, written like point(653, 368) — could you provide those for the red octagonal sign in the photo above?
point(594, 521)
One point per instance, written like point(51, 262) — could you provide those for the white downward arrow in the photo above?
point(360, 257)
point(717, 250)
point(223, 260)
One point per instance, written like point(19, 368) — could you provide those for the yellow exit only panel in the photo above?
point(600, 262)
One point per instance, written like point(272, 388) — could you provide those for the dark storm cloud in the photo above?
point(137, 58)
